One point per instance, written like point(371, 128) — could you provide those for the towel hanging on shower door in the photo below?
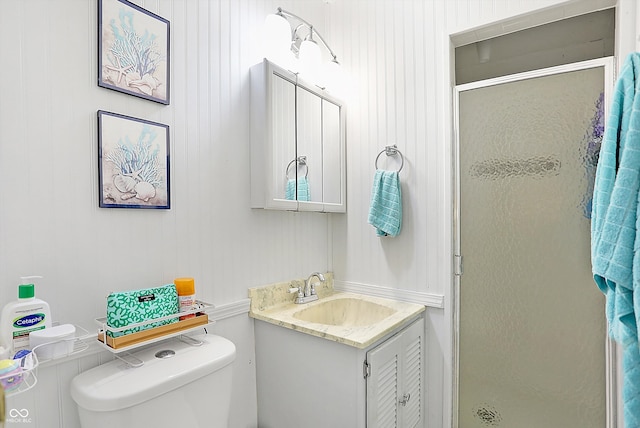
point(615, 231)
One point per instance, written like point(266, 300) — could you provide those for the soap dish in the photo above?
point(59, 341)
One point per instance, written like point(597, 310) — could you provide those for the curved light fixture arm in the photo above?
point(312, 30)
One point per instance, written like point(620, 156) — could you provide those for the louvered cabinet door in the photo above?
point(395, 383)
point(412, 376)
point(382, 384)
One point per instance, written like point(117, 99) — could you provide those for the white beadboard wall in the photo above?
point(49, 219)
point(396, 53)
point(50, 223)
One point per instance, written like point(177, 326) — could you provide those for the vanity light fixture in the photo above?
point(293, 43)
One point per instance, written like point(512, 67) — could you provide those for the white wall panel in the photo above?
point(49, 218)
point(50, 223)
point(393, 57)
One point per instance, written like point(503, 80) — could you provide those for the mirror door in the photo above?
point(283, 106)
point(332, 145)
point(309, 148)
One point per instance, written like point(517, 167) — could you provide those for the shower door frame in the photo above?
point(611, 358)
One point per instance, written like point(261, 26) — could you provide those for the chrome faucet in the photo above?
point(307, 293)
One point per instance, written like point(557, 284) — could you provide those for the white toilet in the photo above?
point(178, 385)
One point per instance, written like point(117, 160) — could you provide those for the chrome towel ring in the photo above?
point(301, 160)
point(391, 151)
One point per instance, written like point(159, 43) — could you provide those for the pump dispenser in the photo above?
point(22, 316)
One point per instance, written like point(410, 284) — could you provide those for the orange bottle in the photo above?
point(186, 295)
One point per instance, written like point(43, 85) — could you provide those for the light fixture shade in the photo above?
point(284, 45)
point(333, 68)
point(310, 56)
point(332, 73)
point(277, 35)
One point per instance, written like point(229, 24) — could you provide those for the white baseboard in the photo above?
point(427, 299)
point(228, 310)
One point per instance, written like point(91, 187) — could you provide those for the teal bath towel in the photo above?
point(615, 227)
point(385, 212)
point(303, 189)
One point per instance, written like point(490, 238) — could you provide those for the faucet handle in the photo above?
point(311, 284)
point(298, 290)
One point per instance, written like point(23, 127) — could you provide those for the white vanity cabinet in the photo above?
point(395, 380)
point(297, 143)
point(311, 382)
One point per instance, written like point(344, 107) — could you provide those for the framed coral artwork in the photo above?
point(133, 50)
point(133, 162)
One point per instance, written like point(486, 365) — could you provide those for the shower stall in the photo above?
point(531, 339)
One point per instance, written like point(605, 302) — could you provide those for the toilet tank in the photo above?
point(178, 385)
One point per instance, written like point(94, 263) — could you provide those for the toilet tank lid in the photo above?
point(115, 385)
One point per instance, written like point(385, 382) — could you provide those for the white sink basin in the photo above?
point(345, 312)
point(353, 319)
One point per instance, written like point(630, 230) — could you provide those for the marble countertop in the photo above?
point(274, 304)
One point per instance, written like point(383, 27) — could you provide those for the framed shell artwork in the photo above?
point(133, 50)
point(133, 162)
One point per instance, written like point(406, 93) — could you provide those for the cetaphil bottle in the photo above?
point(22, 316)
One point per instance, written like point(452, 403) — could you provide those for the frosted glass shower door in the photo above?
point(532, 331)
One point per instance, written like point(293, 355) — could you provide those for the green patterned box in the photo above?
point(135, 306)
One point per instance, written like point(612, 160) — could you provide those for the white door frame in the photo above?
point(608, 65)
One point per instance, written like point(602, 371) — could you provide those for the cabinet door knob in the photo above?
point(405, 399)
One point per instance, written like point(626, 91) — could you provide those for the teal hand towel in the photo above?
point(385, 211)
point(290, 190)
point(615, 223)
point(302, 190)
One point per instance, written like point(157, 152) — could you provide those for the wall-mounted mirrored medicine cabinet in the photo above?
point(297, 143)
